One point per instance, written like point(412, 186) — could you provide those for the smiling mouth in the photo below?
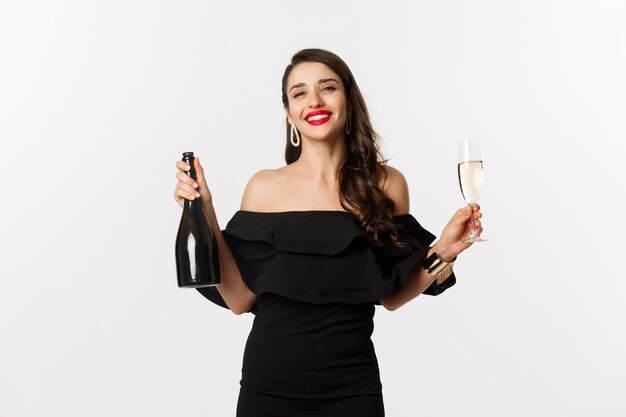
point(318, 118)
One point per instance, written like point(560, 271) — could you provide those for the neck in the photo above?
point(321, 160)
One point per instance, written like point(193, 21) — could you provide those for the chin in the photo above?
point(324, 136)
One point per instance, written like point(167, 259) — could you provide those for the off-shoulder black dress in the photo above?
point(318, 277)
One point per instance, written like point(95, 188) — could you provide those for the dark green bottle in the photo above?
point(197, 262)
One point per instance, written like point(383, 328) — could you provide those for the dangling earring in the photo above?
point(349, 124)
point(296, 135)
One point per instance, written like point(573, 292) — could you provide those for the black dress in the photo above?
point(318, 277)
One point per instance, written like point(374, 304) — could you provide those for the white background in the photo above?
point(99, 99)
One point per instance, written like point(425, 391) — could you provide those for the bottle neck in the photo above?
point(192, 173)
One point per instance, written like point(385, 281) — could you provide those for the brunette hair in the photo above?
point(363, 166)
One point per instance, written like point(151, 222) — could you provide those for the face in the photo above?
point(317, 101)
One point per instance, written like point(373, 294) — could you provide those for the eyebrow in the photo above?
point(322, 81)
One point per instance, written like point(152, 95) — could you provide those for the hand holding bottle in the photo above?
point(187, 188)
point(197, 257)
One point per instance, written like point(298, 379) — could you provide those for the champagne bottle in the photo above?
point(197, 262)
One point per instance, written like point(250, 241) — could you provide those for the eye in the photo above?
point(328, 88)
point(298, 94)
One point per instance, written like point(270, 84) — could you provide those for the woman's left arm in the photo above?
point(448, 247)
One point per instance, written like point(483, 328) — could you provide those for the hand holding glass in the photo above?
point(470, 169)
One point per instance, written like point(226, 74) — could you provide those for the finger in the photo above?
point(463, 212)
point(182, 166)
point(475, 207)
point(180, 196)
point(186, 179)
point(200, 176)
point(199, 169)
point(185, 191)
point(189, 189)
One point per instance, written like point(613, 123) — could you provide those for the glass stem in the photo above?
point(473, 233)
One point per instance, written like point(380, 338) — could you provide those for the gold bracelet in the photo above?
point(441, 269)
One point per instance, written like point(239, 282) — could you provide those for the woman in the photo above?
point(317, 243)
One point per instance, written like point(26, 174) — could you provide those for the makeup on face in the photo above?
point(318, 117)
point(317, 101)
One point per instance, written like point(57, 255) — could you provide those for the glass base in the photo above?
point(475, 240)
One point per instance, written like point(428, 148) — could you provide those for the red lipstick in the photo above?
point(318, 117)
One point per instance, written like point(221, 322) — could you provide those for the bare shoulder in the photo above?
point(395, 187)
point(260, 190)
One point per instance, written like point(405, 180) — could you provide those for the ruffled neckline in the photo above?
point(304, 212)
point(293, 211)
point(323, 256)
point(323, 232)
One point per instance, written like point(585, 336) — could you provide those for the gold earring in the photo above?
point(294, 135)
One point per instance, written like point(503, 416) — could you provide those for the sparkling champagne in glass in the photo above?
point(470, 169)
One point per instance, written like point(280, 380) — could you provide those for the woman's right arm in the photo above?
point(233, 290)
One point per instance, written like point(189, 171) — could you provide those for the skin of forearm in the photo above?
point(233, 290)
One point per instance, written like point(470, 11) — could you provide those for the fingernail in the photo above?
point(187, 168)
point(197, 194)
point(195, 185)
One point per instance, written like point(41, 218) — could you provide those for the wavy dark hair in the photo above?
point(364, 166)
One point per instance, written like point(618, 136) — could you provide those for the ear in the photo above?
point(289, 119)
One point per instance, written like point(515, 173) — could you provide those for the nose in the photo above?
point(315, 100)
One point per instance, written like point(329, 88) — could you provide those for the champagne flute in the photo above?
point(470, 169)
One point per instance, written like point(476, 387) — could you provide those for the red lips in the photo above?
point(319, 117)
